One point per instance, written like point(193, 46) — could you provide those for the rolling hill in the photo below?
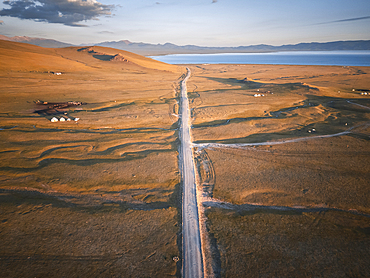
point(21, 56)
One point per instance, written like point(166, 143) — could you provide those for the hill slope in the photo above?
point(25, 57)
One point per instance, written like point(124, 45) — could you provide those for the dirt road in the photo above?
point(192, 254)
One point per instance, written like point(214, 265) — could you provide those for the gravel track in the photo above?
point(192, 253)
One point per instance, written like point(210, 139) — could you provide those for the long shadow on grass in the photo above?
point(49, 151)
point(248, 209)
point(101, 131)
point(347, 108)
point(60, 258)
point(121, 146)
point(105, 109)
point(88, 203)
point(281, 114)
point(85, 162)
point(272, 87)
point(348, 112)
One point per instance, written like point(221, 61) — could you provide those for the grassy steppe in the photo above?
point(296, 99)
point(96, 197)
point(298, 209)
point(295, 244)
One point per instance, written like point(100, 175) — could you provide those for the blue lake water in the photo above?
point(326, 58)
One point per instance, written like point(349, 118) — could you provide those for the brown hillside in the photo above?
point(25, 57)
point(87, 74)
point(115, 140)
point(119, 57)
point(100, 56)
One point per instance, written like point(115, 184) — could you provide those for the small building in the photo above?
point(54, 120)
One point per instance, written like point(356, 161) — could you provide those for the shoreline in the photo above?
point(297, 58)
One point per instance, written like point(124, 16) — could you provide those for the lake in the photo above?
point(326, 58)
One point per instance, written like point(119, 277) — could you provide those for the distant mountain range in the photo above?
point(168, 48)
point(148, 49)
point(36, 41)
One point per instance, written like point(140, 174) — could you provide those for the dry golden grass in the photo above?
point(295, 99)
point(226, 111)
point(299, 209)
point(95, 197)
point(331, 172)
point(127, 122)
point(281, 244)
point(44, 236)
point(102, 196)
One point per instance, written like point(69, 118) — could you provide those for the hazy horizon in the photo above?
point(204, 23)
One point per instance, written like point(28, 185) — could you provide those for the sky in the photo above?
point(196, 22)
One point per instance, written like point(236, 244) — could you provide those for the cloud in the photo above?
point(67, 12)
point(105, 32)
point(346, 20)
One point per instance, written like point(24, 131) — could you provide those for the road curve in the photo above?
point(192, 253)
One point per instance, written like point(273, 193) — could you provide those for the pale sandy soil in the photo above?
point(298, 209)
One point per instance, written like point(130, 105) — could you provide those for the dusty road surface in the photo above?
point(192, 256)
